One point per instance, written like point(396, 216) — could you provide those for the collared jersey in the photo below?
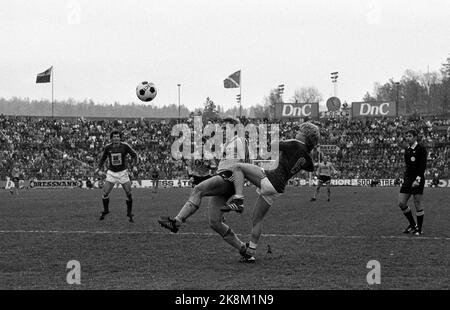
point(117, 156)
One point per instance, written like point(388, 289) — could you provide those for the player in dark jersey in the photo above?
point(155, 179)
point(116, 154)
point(294, 156)
point(413, 182)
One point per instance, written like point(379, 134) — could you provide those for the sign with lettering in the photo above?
point(297, 110)
point(373, 109)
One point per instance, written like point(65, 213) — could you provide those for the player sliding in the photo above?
point(220, 189)
point(116, 153)
point(294, 156)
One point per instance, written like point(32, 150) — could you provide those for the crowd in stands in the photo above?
point(69, 148)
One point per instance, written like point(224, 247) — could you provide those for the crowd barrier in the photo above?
point(181, 183)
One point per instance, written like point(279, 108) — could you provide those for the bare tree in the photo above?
point(307, 95)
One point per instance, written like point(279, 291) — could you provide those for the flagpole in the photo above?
point(240, 96)
point(52, 73)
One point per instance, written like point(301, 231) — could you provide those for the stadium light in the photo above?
point(281, 91)
point(334, 77)
point(397, 92)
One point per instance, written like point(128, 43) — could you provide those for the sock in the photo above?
point(129, 206)
point(408, 214)
point(231, 238)
point(252, 248)
point(420, 214)
point(186, 211)
point(105, 201)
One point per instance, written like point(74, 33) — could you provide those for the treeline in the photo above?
point(88, 108)
point(25, 106)
point(417, 92)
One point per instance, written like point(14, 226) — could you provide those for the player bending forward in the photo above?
point(324, 172)
point(294, 156)
point(116, 153)
point(220, 188)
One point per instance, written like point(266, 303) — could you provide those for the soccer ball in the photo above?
point(146, 91)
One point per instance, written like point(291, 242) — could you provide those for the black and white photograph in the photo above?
point(221, 152)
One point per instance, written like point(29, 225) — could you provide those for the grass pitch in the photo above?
point(315, 245)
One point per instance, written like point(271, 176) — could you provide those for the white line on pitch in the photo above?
point(99, 232)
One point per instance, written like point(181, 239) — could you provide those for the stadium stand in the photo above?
point(54, 149)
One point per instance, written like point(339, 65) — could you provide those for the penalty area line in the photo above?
point(104, 232)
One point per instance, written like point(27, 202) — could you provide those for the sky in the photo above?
point(101, 49)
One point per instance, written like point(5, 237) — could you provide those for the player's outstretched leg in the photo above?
point(214, 186)
point(259, 212)
point(328, 191)
point(216, 223)
point(105, 201)
point(127, 188)
point(107, 187)
point(314, 197)
point(241, 172)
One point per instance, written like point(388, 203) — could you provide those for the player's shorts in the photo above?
point(200, 179)
point(324, 179)
point(267, 191)
point(120, 177)
point(227, 175)
point(407, 187)
point(15, 180)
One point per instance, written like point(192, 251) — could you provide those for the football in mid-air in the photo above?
point(146, 91)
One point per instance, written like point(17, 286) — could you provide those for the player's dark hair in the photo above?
point(115, 132)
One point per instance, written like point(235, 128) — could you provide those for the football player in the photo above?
point(324, 171)
point(116, 154)
point(220, 188)
point(155, 179)
point(15, 178)
point(294, 156)
point(413, 182)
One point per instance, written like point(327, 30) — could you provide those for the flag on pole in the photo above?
point(233, 81)
point(44, 77)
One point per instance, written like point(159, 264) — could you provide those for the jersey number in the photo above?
point(116, 159)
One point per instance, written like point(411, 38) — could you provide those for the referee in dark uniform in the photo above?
point(413, 182)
